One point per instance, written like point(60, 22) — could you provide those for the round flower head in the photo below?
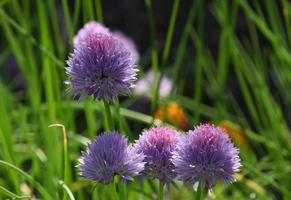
point(128, 43)
point(157, 144)
point(206, 154)
point(89, 28)
point(109, 155)
point(101, 67)
point(95, 27)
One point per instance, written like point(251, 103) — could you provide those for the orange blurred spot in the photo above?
point(235, 132)
point(173, 114)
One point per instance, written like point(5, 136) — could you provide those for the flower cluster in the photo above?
point(102, 66)
point(204, 154)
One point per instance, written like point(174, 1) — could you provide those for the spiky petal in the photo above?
point(109, 155)
point(89, 28)
point(100, 67)
point(206, 154)
point(157, 144)
point(95, 27)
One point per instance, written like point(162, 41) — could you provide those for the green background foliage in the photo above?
point(34, 157)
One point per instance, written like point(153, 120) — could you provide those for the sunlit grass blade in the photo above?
point(11, 194)
point(41, 190)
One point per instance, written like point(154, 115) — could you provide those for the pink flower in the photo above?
point(89, 28)
point(158, 144)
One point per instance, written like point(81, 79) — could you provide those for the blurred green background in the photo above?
point(228, 60)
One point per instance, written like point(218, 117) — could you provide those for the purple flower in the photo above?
point(89, 28)
point(157, 144)
point(95, 27)
point(100, 67)
point(206, 154)
point(109, 155)
point(128, 43)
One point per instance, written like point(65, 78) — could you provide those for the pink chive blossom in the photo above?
point(158, 144)
point(89, 28)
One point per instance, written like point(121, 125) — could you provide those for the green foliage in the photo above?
point(35, 155)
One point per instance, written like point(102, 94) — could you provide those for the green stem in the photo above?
point(29, 178)
point(66, 160)
point(198, 192)
point(154, 55)
point(120, 126)
point(114, 192)
point(122, 191)
point(170, 32)
point(108, 117)
point(196, 5)
point(165, 55)
point(11, 194)
point(161, 190)
point(66, 189)
point(99, 11)
point(90, 118)
point(68, 21)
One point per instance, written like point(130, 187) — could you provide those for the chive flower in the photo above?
point(89, 28)
point(109, 155)
point(100, 67)
point(158, 144)
point(128, 44)
point(206, 154)
point(95, 27)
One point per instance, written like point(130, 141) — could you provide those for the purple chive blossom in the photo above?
point(89, 28)
point(109, 155)
point(128, 43)
point(95, 27)
point(206, 154)
point(100, 67)
point(157, 144)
